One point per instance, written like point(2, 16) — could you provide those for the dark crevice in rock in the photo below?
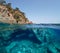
point(27, 35)
point(49, 51)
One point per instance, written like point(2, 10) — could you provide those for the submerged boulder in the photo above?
point(45, 34)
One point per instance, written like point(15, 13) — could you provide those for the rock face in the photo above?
point(4, 17)
point(10, 15)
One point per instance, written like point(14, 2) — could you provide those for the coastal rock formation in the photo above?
point(10, 15)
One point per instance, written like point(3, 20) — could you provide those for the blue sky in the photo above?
point(39, 11)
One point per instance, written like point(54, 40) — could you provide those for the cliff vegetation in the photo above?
point(10, 15)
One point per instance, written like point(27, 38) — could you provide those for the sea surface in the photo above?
point(29, 38)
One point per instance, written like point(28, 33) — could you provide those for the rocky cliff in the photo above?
point(10, 15)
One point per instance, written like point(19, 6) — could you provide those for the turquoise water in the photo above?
point(30, 38)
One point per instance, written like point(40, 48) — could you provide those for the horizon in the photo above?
point(39, 11)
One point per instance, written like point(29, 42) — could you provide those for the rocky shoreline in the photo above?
point(10, 15)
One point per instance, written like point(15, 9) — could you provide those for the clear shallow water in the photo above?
point(31, 38)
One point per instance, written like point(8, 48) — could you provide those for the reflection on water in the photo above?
point(32, 38)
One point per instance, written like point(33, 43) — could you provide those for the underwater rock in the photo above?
point(23, 46)
point(52, 48)
point(49, 51)
point(16, 39)
point(57, 46)
point(58, 49)
point(3, 50)
point(44, 34)
point(10, 47)
point(5, 34)
point(26, 34)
